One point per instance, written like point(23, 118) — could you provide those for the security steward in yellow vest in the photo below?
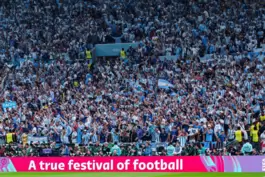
point(239, 135)
point(255, 135)
point(122, 54)
point(88, 54)
point(11, 137)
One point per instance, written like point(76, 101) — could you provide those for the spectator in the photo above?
point(247, 148)
point(170, 150)
point(115, 150)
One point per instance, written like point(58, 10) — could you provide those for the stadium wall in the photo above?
point(135, 164)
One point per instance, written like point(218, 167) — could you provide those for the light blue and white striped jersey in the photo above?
point(182, 140)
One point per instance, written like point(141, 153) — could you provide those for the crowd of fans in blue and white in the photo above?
point(147, 105)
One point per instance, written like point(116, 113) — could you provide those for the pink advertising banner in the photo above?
point(134, 164)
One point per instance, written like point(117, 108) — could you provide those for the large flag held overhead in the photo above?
point(164, 84)
point(9, 105)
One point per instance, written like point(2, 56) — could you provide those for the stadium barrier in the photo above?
point(111, 50)
point(135, 164)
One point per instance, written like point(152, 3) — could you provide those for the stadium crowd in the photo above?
point(118, 107)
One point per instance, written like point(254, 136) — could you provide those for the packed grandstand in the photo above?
point(193, 85)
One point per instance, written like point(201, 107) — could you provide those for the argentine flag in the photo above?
point(164, 84)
